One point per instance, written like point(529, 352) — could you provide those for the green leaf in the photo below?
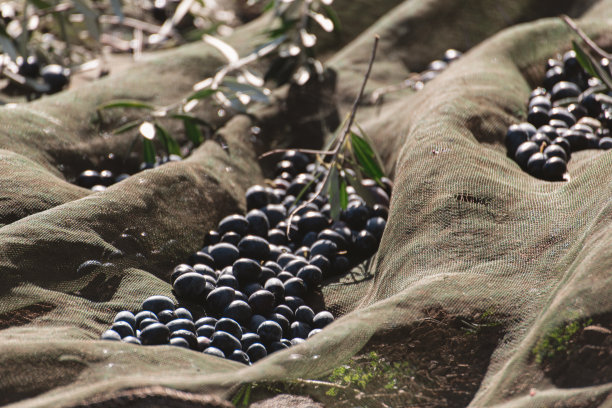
point(334, 193)
point(126, 103)
point(366, 157)
point(40, 4)
point(202, 94)
point(252, 91)
point(583, 59)
point(343, 194)
point(592, 66)
point(172, 147)
point(193, 132)
point(6, 42)
point(148, 151)
point(232, 101)
point(127, 127)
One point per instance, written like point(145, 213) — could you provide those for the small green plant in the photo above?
point(370, 371)
point(367, 374)
point(558, 340)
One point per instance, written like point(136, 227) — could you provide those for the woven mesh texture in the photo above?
point(468, 231)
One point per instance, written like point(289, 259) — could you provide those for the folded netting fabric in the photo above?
point(468, 230)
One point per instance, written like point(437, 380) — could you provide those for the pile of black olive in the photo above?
point(570, 113)
point(255, 273)
point(100, 180)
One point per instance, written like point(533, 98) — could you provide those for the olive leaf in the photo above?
point(252, 91)
point(170, 144)
point(343, 194)
point(366, 157)
point(590, 65)
point(6, 43)
point(192, 130)
point(118, 9)
point(333, 191)
point(126, 103)
point(201, 94)
point(127, 127)
point(148, 150)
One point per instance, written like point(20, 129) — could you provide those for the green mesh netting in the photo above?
point(468, 231)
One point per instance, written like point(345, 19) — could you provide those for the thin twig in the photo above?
point(340, 143)
point(129, 22)
point(572, 24)
point(319, 382)
point(307, 151)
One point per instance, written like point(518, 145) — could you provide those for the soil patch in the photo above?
point(581, 357)
point(439, 361)
point(24, 315)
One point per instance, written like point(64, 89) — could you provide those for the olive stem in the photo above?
point(572, 24)
point(342, 139)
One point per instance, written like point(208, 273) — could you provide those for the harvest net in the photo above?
point(479, 263)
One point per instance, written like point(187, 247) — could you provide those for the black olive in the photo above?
point(219, 298)
point(230, 326)
point(224, 254)
point(262, 302)
point(300, 330)
point(158, 303)
point(295, 287)
point(156, 333)
point(213, 351)
point(254, 247)
point(269, 332)
point(256, 352)
point(225, 342)
point(236, 223)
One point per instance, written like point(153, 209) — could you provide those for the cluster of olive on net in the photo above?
point(99, 180)
point(436, 67)
point(256, 272)
point(568, 114)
